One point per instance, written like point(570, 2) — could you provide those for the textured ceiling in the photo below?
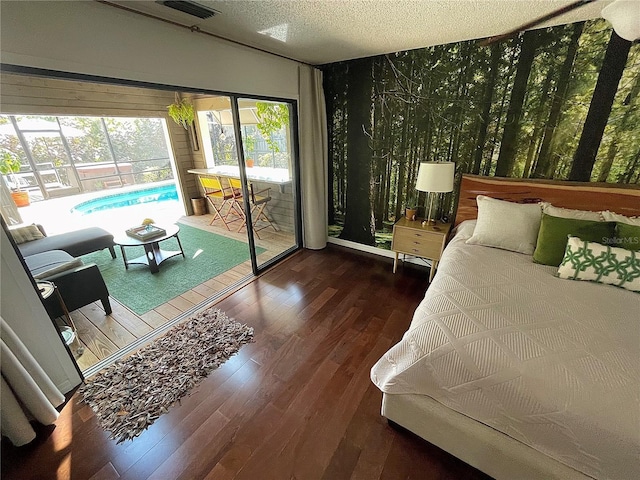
point(325, 31)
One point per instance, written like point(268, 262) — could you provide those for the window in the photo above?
point(67, 155)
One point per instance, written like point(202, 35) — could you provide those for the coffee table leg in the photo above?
point(150, 251)
point(180, 245)
point(124, 258)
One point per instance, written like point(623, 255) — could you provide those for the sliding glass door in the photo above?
point(250, 146)
point(269, 175)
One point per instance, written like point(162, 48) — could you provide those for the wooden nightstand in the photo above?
point(412, 238)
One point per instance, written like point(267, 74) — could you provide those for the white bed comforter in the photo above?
point(552, 363)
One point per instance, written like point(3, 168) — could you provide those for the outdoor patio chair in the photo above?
point(238, 204)
point(79, 284)
point(259, 217)
point(220, 196)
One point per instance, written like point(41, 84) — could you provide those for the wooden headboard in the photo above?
point(620, 198)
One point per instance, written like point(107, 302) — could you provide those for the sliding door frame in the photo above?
point(293, 125)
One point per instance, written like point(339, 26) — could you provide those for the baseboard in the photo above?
point(381, 252)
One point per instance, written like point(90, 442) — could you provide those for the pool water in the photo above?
point(126, 199)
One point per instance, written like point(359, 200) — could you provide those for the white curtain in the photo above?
point(26, 392)
point(313, 157)
point(7, 205)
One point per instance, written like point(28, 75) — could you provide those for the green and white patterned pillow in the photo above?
point(600, 263)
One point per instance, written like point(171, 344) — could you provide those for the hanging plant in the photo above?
point(182, 112)
point(9, 166)
point(272, 117)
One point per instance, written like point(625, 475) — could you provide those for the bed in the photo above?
point(515, 371)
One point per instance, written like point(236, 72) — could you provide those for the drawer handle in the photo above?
point(416, 243)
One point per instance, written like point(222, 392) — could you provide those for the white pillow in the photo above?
point(616, 217)
point(464, 229)
point(506, 225)
point(571, 213)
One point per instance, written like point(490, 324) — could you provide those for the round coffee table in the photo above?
point(154, 255)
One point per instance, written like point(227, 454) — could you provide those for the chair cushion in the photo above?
point(26, 233)
point(79, 242)
point(46, 264)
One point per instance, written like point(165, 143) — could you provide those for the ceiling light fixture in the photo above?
point(624, 17)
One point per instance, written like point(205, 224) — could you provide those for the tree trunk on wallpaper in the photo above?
point(615, 59)
point(343, 157)
point(387, 187)
point(542, 167)
point(379, 130)
point(625, 128)
point(538, 119)
point(339, 159)
point(462, 92)
point(330, 105)
point(606, 166)
point(401, 198)
point(487, 166)
point(411, 154)
point(358, 220)
point(486, 106)
point(508, 145)
point(633, 169)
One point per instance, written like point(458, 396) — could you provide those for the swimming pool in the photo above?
point(126, 199)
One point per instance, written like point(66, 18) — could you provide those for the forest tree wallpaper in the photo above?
point(558, 103)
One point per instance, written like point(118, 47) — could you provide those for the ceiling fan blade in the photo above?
point(537, 21)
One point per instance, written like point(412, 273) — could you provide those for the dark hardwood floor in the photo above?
point(296, 404)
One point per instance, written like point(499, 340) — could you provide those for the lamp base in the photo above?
point(431, 223)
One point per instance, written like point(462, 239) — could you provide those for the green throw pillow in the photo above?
point(593, 262)
point(554, 231)
point(628, 236)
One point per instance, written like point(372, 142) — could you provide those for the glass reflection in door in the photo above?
point(219, 148)
point(269, 154)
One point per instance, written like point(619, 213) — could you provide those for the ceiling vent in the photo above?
point(190, 8)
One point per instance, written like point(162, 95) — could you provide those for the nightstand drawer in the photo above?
point(420, 240)
point(418, 244)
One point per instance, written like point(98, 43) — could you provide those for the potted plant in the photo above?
point(182, 112)
point(250, 147)
point(10, 165)
point(411, 210)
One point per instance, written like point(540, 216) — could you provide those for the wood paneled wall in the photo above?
point(22, 94)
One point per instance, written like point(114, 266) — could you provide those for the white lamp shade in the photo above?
point(624, 16)
point(436, 177)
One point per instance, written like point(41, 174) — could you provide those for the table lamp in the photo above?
point(435, 177)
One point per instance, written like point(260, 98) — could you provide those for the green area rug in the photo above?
point(207, 255)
